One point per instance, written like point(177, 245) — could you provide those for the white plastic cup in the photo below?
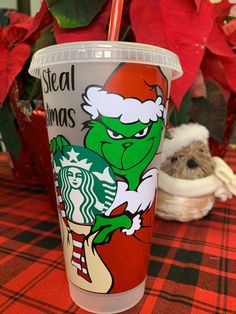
point(106, 105)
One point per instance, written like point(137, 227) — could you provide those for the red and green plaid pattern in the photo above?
point(192, 266)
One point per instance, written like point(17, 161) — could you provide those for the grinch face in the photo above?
point(129, 148)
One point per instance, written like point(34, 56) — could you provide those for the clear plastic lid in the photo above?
point(104, 51)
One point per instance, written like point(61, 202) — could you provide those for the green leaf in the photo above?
point(45, 39)
point(59, 143)
point(53, 146)
point(74, 13)
point(8, 131)
point(229, 18)
point(211, 111)
point(64, 141)
point(32, 86)
point(182, 116)
point(35, 89)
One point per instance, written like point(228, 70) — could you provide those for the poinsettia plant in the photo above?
point(190, 28)
point(200, 32)
point(211, 99)
point(18, 40)
point(14, 52)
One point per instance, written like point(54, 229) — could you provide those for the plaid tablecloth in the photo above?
point(192, 267)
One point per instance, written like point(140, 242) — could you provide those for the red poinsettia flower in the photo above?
point(41, 20)
point(13, 52)
point(219, 62)
point(190, 28)
point(221, 10)
point(180, 26)
point(17, 29)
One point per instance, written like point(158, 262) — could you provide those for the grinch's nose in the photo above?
point(126, 145)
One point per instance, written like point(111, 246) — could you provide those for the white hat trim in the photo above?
point(188, 188)
point(222, 183)
point(128, 110)
point(182, 136)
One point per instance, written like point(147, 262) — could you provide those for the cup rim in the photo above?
point(105, 51)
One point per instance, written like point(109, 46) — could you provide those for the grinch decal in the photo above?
point(123, 135)
point(126, 130)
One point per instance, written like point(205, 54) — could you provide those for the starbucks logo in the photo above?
point(86, 181)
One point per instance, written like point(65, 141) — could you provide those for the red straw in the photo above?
point(115, 20)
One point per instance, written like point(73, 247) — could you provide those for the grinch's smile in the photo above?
point(127, 153)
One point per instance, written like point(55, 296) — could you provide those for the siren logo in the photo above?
point(88, 185)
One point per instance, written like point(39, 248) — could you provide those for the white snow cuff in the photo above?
point(128, 110)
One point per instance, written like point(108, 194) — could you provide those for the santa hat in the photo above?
point(134, 92)
point(182, 136)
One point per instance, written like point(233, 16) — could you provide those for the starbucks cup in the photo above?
point(106, 105)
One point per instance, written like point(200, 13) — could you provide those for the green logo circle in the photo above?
point(87, 183)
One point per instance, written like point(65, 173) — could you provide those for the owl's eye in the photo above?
point(142, 133)
point(114, 135)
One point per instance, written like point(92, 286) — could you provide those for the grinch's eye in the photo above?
point(114, 134)
point(142, 133)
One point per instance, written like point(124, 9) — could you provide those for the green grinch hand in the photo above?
point(107, 225)
point(58, 143)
